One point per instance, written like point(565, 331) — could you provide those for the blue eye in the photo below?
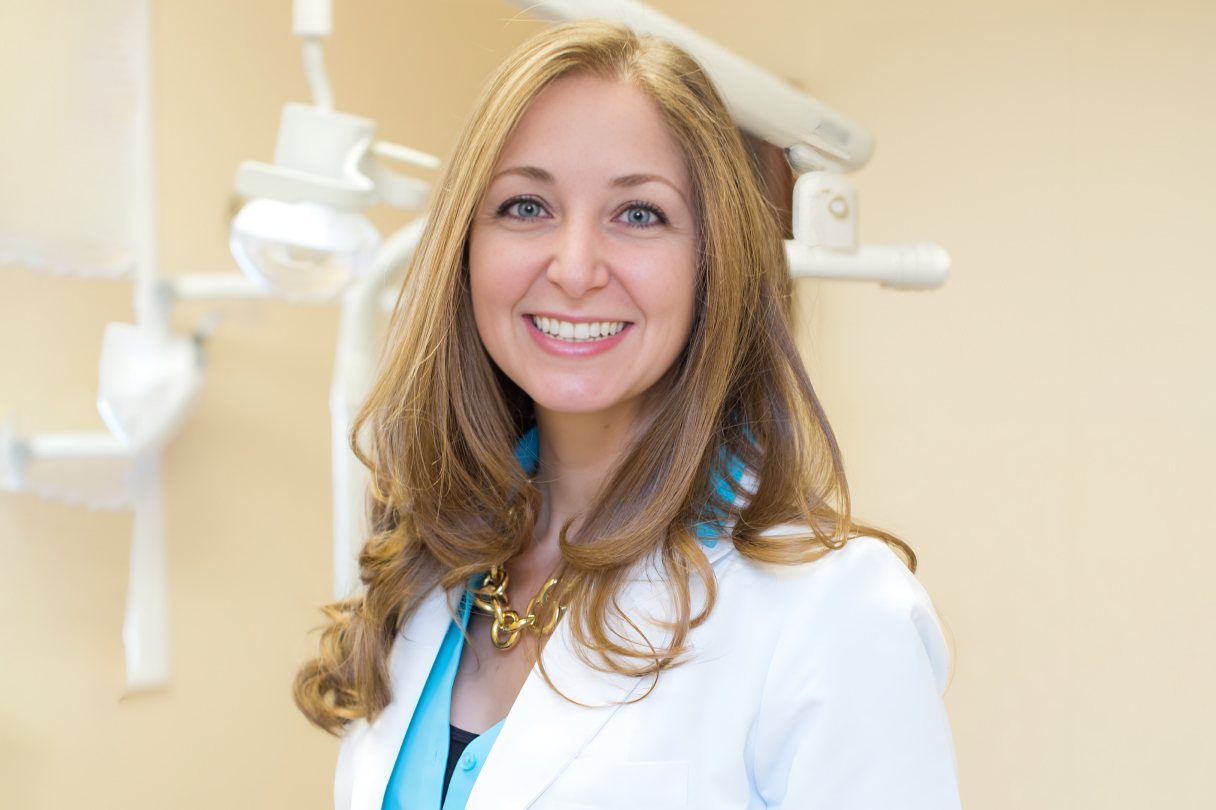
point(642, 215)
point(526, 208)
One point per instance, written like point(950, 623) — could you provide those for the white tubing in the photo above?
point(145, 626)
point(318, 79)
point(909, 266)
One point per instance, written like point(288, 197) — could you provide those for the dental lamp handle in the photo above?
point(393, 188)
point(404, 154)
point(903, 266)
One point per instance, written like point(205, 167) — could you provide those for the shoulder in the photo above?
point(864, 570)
point(858, 605)
point(850, 712)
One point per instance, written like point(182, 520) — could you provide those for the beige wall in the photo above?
point(1039, 430)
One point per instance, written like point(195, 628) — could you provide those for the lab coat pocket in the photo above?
point(609, 783)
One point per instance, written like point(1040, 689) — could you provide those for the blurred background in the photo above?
point(1040, 429)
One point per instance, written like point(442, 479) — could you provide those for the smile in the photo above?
point(577, 332)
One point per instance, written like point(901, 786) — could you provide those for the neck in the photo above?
point(577, 453)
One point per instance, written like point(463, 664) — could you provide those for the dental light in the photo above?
point(302, 235)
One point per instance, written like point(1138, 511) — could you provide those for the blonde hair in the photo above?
point(448, 499)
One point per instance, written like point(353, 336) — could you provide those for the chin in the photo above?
point(576, 407)
point(578, 402)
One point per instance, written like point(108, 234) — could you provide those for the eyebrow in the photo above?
point(624, 181)
point(530, 172)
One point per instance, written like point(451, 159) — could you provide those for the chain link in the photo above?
point(541, 616)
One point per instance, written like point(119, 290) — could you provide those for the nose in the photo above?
point(579, 263)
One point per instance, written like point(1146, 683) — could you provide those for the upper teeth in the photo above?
point(575, 332)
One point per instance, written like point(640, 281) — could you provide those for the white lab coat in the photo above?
point(814, 686)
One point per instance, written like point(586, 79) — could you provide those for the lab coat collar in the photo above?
point(548, 726)
point(545, 730)
point(410, 662)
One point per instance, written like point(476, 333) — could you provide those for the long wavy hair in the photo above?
point(447, 497)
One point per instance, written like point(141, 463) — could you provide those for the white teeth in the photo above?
point(577, 332)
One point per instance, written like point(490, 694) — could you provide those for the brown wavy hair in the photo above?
point(447, 497)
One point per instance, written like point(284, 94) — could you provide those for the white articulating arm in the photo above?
point(352, 379)
point(761, 103)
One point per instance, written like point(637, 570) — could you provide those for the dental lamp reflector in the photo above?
point(303, 251)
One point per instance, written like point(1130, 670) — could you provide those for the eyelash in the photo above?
point(504, 210)
point(660, 216)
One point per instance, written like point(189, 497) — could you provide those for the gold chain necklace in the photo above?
point(540, 617)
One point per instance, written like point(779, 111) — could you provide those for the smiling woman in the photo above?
point(586, 225)
point(612, 561)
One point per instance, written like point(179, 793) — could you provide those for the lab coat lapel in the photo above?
point(544, 731)
point(410, 663)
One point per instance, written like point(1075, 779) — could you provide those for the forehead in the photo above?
point(587, 122)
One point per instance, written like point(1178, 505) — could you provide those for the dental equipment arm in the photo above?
point(814, 135)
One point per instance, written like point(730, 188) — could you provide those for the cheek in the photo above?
point(499, 261)
point(483, 295)
point(490, 284)
point(671, 283)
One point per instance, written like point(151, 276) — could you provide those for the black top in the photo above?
point(459, 740)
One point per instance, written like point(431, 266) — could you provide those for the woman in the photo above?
point(611, 562)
